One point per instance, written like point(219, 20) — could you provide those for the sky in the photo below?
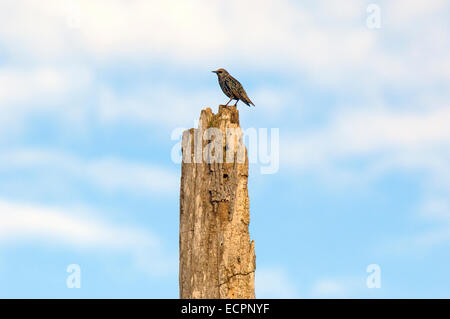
point(91, 93)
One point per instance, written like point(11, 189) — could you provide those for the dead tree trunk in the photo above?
point(217, 258)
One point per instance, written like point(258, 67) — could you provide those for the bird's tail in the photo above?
point(245, 99)
point(248, 101)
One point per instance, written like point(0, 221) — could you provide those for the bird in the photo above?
point(232, 87)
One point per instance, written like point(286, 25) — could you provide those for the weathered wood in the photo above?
point(217, 258)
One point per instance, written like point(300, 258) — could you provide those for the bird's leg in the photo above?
point(228, 102)
point(236, 102)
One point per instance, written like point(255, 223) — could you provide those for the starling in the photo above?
point(232, 88)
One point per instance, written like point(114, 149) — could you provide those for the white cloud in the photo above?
point(158, 105)
point(344, 287)
point(53, 226)
point(432, 224)
point(23, 221)
point(74, 98)
point(420, 243)
point(380, 138)
point(113, 174)
point(170, 106)
point(25, 91)
point(435, 212)
point(107, 174)
point(328, 42)
point(274, 283)
point(425, 240)
point(324, 40)
point(328, 288)
point(273, 101)
point(403, 12)
point(436, 208)
point(22, 86)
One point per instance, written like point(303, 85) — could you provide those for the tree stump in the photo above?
point(217, 258)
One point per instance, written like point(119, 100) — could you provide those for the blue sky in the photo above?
point(91, 91)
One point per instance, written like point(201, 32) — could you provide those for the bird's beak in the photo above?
point(214, 72)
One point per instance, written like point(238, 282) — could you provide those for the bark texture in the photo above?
point(217, 258)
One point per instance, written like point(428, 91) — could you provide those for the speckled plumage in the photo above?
point(232, 87)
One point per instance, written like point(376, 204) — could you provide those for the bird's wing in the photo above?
point(234, 85)
point(244, 97)
point(227, 88)
point(239, 92)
